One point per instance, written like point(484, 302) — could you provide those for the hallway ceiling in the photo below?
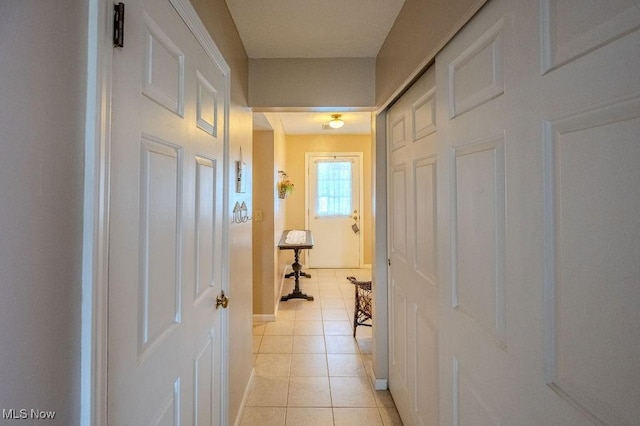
point(311, 123)
point(313, 28)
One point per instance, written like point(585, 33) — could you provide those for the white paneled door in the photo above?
point(537, 259)
point(334, 210)
point(413, 343)
point(165, 243)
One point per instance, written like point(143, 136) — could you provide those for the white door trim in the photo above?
point(93, 364)
point(380, 269)
point(95, 262)
point(307, 156)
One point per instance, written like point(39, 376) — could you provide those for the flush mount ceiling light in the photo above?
point(336, 122)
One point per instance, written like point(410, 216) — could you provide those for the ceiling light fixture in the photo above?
point(336, 122)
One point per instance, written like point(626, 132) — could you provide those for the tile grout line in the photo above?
point(357, 350)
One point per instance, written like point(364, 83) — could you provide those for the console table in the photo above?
point(296, 266)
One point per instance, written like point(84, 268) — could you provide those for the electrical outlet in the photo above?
point(258, 216)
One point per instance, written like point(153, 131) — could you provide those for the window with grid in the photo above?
point(334, 195)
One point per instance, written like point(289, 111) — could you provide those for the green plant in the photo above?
point(285, 187)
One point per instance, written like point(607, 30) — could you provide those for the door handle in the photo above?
point(222, 300)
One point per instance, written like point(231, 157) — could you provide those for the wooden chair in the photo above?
point(363, 309)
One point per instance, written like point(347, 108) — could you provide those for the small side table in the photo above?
point(296, 266)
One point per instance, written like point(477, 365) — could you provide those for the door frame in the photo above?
point(307, 157)
point(95, 252)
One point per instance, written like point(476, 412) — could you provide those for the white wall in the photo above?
point(42, 96)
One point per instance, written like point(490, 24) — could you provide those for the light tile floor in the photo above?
point(309, 370)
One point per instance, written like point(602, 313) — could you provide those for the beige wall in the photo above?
point(217, 19)
point(420, 30)
point(312, 82)
point(282, 258)
point(268, 262)
point(297, 146)
point(264, 270)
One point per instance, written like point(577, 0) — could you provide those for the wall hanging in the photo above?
point(241, 181)
point(285, 186)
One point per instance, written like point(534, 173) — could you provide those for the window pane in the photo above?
point(334, 188)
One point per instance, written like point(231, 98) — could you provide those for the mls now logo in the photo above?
point(23, 414)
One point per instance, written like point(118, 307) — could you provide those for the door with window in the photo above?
point(334, 209)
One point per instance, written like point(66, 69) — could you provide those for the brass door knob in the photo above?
point(222, 300)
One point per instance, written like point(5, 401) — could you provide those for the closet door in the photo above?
point(538, 117)
point(413, 286)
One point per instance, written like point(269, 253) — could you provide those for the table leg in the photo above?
point(296, 266)
point(302, 274)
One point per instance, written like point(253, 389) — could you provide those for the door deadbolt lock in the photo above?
point(222, 300)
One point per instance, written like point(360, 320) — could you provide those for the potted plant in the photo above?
point(285, 187)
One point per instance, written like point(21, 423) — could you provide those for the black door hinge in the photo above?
point(389, 262)
point(118, 25)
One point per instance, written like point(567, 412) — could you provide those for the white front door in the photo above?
point(334, 210)
point(165, 341)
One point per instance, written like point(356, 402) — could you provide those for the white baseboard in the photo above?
point(245, 397)
point(381, 384)
point(264, 317)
